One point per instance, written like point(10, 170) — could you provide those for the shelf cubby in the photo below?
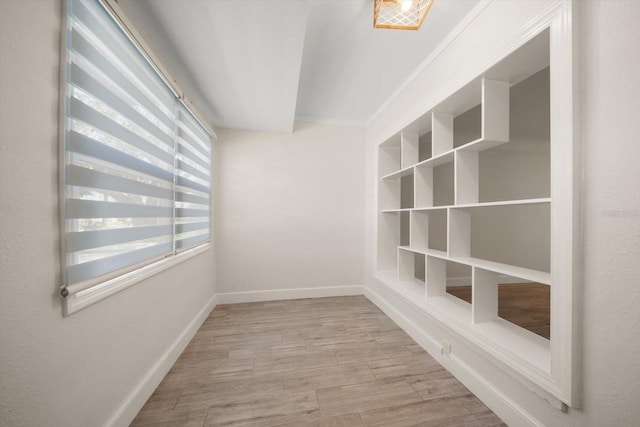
point(517, 235)
point(520, 169)
point(519, 301)
point(429, 231)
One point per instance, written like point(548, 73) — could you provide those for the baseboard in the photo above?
point(508, 410)
point(146, 387)
point(284, 294)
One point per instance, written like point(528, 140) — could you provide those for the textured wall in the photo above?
point(79, 370)
point(290, 208)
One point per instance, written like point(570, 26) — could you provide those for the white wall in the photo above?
point(290, 212)
point(79, 370)
point(611, 211)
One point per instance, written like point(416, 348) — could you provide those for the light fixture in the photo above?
point(400, 14)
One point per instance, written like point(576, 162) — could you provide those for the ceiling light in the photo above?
point(400, 14)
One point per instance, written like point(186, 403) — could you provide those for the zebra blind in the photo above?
point(137, 164)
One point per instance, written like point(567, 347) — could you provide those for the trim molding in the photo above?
point(507, 409)
point(285, 294)
point(468, 19)
point(137, 398)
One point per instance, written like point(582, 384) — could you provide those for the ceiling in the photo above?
point(263, 64)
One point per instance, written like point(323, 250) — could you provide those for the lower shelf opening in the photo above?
point(458, 277)
point(526, 305)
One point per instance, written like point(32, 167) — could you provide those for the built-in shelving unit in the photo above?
point(477, 170)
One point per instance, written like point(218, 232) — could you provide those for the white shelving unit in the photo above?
point(480, 165)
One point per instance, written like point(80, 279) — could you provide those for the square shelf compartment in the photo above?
point(516, 235)
point(429, 231)
point(434, 185)
point(519, 169)
point(396, 193)
point(519, 301)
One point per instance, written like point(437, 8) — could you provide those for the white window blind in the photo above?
point(137, 164)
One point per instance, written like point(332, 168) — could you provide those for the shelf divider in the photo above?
point(459, 233)
point(466, 187)
point(436, 275)
point(495, 110)
point(441, 133)
point(484, 295)
point(409, 149)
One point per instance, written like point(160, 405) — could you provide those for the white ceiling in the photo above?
point(262, 64)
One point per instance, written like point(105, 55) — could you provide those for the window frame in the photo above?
point(80, 295)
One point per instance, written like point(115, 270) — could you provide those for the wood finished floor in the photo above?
point(314, 362)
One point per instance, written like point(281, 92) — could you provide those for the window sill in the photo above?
point(82, 299)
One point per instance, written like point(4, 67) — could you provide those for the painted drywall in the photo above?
point(610, 131)
point(290, 209)
point(79, 370)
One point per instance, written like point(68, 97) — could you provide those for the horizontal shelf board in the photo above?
point(524, 344)
point(479, 145)
point(503, 203)
point(440, 159)
point(509, 270)
point(506, 269)
point(396, 210)
point(399, 174)
point(483, 204)
point(432, 208)
point(431, 252)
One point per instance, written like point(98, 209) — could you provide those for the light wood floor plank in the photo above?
point(315, 362)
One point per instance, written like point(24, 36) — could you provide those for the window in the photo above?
point(136, 184)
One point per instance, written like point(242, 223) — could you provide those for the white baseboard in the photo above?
point(154, 376)
point(284, 294)
point(508, 410)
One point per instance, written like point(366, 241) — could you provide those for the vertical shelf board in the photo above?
point(409, 149)
point(388, 159)
point(436, 277)
point(424, 147)
point(459, 233)
point(441, 133)
point(406, 266)
point(407, 193)
point(438, 230)
point(389, 194)
point(444, 183)
point(423, 186)
point(484, 295)
point(419, 230)
point(466, 181)
point(405, 228)
point(495, 110)
point(388, 240)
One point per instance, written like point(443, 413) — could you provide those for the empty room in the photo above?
point(319, 213)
